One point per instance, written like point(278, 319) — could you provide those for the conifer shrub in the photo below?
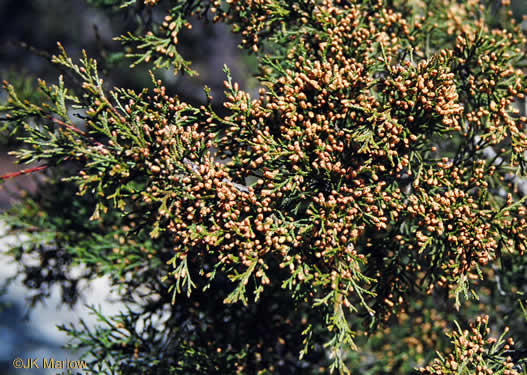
point(344, 218)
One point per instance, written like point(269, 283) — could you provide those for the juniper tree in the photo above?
point(341, 219)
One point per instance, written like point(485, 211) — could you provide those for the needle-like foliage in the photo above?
point(339, 220)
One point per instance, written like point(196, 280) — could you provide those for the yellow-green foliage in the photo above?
point(371, 189)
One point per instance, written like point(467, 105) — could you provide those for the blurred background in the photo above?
point(29, 31)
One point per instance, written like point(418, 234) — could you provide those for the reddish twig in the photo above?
point(7, 176)
point(75, 129)
point(68, 126)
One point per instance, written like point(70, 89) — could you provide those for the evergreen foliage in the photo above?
point(341, 220)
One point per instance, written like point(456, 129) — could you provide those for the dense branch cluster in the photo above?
point(377, 169)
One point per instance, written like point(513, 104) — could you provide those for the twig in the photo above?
point(76, 130)
point(22, 172)
point(68, 126)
